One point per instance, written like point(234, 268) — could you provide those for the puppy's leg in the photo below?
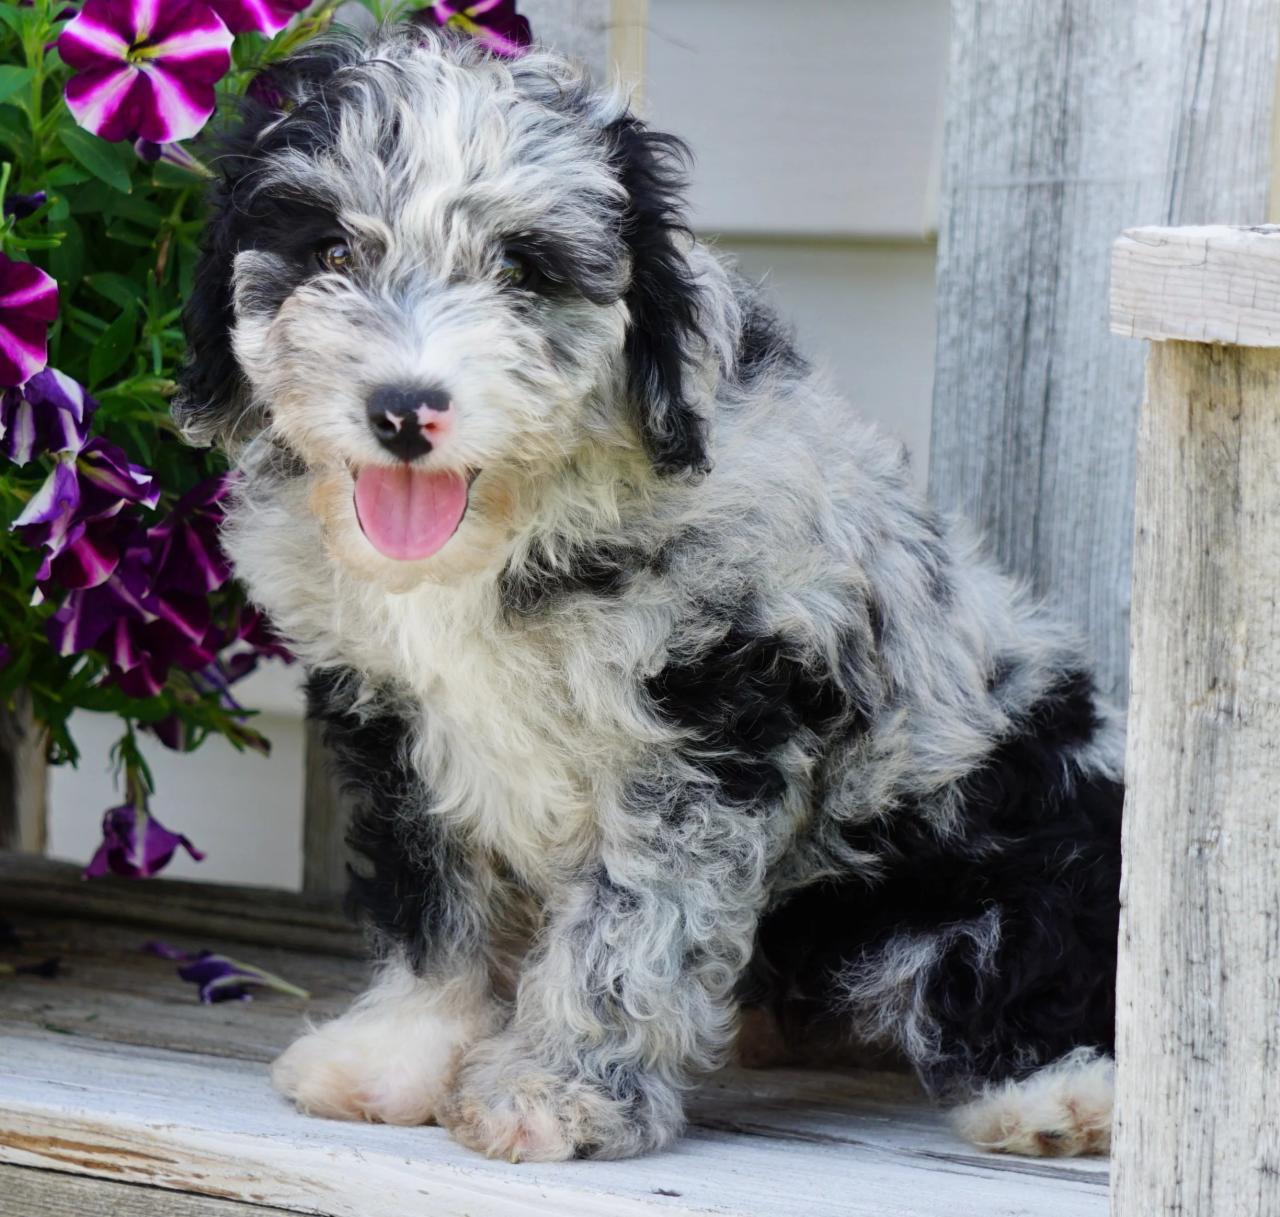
point(629, 992)
point(431, 904)
point(391, 1056)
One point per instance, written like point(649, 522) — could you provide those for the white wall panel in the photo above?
point(865, 313)
point(817, 116)
point(243, 809)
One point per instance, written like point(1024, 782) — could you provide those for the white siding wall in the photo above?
point(815, 126)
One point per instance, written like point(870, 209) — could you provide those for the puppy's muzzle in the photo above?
point(409, 420)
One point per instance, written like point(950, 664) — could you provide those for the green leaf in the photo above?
point(114, 347)
point(15, 133)
point(12, 17)
point(12, 79)
point(66, 263)
point(119, 289)
point(66, 174)
point(98, 157)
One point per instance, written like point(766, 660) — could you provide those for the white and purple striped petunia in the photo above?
point(495, 23)
point(145, 69)
point(257, 16)
point(28, 305)
point(84, 488)
point(50, 413)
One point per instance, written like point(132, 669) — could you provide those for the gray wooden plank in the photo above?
point(245, 914)
point(194, 1123)
point(1067, 123)
point(25, 1192)
point(109, 989)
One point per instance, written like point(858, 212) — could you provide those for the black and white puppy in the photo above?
point(662, 693)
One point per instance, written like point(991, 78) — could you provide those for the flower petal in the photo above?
point(106, 100)
point(177, 106)
point(28, 303)
point(258, 16)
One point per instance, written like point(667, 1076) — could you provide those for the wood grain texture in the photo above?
point(1067, 123)
point(1205, 284)
point(42, 887)
point(23, 787)
point(1198, 1030)
point(113, 1070)
point(40, 1193)
point(203, 1125)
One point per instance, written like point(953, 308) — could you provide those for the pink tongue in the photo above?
point(409, 513)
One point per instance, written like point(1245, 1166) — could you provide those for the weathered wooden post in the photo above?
point(22, 779)
point(1197, 1129)
point(1067, 122)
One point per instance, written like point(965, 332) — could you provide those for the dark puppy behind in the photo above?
point(661, 692)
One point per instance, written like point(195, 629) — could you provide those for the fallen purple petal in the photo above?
point(219, 977)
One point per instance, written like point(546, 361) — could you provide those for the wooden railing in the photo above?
point(1198, 1104)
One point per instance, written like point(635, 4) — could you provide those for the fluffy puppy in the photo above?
point(660, 692)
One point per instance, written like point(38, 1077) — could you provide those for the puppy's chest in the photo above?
point(505, 753)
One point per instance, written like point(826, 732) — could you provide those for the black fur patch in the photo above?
point(212, 390)
point(764, 344)
point(408, 890)
point(603, 571)
point(741, 700)
point(1038, 844)
point(662, 299)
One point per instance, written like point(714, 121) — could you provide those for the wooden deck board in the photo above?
point(114, 1071)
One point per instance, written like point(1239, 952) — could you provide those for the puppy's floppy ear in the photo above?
point(212, 393)
point(212, 402)
point(663, 300)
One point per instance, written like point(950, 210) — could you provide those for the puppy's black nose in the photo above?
point(407, 418)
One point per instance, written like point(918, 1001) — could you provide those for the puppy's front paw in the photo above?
point(507, 1105)
point(390, 1058)
point(359, 1072)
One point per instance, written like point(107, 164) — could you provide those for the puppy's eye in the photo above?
point(335, 256)
point(513, 270)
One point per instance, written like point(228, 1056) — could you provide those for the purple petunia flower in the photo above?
point(135, 845)
point(50, 413)
point(495, 23)
point(188, 553)
point(91, 485)
point(221, 978)
point(28, 306)
point(257, 16)
point(144, 68)
point(19, 206)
